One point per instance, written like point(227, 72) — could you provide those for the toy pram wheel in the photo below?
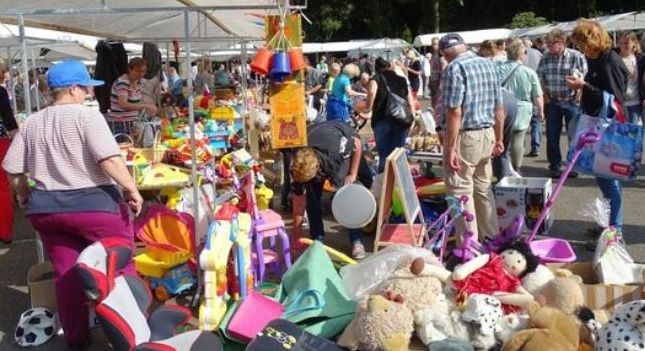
point(161, 293)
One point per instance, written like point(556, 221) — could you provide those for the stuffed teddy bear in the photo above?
point(625, 331)
point(480, 323)
point(563, 292)
point(379, 325)
point(498, 275)
point(439, 322)
point(535, 281)
point(418, 290)
point(551, 329)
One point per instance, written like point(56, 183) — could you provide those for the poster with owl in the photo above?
point(288, 120)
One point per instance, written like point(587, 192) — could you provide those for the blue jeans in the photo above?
point(555, 111)
point(314, 193)
point(536, 133)
point(612, 190)
point(388, 135)
point(635, 114)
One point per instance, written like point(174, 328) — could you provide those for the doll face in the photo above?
point(514, 262)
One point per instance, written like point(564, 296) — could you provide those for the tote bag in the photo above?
point(314, 271)
point(618, 153)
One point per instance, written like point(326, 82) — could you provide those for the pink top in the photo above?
point(61, 146)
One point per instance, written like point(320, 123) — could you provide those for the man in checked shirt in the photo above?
point(560, 102)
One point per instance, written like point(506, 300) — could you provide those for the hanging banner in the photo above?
point(292, 28)
point(288, 121)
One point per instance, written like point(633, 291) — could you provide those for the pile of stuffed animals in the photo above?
point(505, 301)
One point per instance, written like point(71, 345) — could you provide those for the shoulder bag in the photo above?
point(397, 107)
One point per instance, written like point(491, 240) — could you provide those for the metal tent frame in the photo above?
point(187, 40)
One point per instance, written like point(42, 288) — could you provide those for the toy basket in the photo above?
point(154, 154)
point(155, 263)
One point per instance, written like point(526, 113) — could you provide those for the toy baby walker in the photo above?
point(229, 230)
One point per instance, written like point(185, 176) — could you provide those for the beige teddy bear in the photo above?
point(379, 325)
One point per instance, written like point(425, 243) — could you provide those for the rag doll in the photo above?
point(498, 275)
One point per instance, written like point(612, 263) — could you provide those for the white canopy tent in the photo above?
point(613, 23)
point(385, 47)
point(470, 37)
point(334, 46)
point(209, 24)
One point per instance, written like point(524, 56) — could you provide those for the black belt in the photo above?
point(476, 128)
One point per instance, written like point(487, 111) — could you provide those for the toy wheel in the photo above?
point(161, 293)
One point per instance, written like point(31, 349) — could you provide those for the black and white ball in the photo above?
point(35, 327)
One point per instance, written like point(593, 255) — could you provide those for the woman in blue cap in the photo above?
point(69, 152)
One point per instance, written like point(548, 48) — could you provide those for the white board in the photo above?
point(405, 184)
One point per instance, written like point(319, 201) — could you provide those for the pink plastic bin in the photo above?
point(553, 250)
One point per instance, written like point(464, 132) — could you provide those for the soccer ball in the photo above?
point(35, 327)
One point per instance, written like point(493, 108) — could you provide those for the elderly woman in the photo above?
point(524, 84)
point(339, 103)
point(607, 72)
point(126, 101)
point(8, 128)
point(68, 151)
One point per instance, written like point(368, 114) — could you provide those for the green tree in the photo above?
point(527, 19)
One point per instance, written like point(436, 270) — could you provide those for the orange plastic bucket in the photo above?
point(297, 59)
point(262, 61)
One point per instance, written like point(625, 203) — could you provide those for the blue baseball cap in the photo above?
point(68, 73)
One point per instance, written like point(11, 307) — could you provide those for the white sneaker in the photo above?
point(305, 221)
point(515, 174)
point(358, 250)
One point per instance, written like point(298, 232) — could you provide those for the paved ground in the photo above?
point(16, 259)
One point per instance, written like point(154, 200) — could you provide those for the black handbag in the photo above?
point(397, 107)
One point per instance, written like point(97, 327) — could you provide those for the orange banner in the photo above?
point(288, 121)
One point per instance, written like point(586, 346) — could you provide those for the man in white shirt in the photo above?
point(425, 74)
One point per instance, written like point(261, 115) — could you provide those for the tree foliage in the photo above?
point(368, 19)
point(527, 19)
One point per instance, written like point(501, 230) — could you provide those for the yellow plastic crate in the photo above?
point(155, 263)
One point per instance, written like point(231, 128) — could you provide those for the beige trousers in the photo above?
point(474, 180)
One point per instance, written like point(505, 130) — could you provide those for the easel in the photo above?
point(397, 173)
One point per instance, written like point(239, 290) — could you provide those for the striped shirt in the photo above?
point(60, 147)
point(472, 83)
point(553, 69)
point(132, 91)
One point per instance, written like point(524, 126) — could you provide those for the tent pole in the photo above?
point(193, 166)
point(35, 75)
point(25, 64)
point(168, 61)
point(245, 101)
point(12, 88)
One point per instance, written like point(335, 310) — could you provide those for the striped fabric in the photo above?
point(472, 83)
point(123, 87)
point(553, 69)
point(61, 146)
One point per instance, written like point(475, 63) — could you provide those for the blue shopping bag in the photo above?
point(618, 153)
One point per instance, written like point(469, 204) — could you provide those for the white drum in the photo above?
point(353, 206)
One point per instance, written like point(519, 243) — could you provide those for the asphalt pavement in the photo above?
point(15, 259)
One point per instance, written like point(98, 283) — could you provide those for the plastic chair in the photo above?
point(266, 224)
point(122, 304)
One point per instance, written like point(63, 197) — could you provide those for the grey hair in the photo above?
point(57, 93)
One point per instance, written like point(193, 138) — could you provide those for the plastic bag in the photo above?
point(597, 211)
point(367, 276)
point(612, 262)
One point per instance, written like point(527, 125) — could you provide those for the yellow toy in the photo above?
point(263, 196)
point(222, 236)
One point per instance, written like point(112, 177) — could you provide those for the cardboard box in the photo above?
point(40, 280)
point(601, 296)
point(523, 196)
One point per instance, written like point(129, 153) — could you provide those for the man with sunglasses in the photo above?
point(560, 102)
